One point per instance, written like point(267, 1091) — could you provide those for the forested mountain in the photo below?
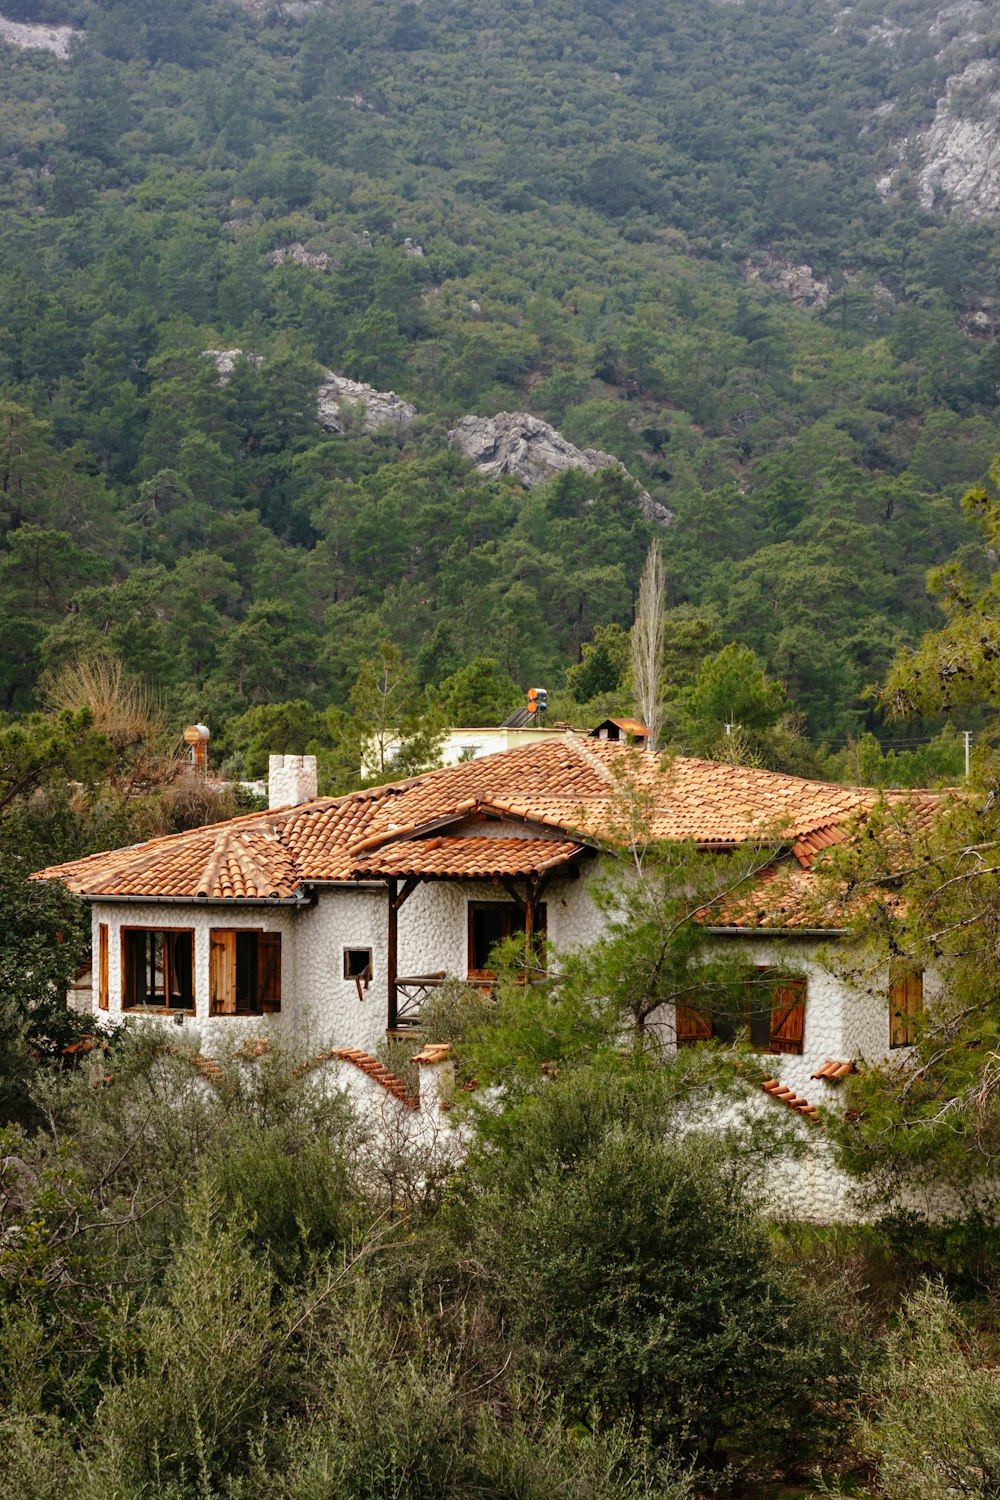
point(746, 248)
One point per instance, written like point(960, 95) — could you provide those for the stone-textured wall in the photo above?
point(846, 1014)
point(325, 1008)
point(214, 1032)
point(291, 779)
point(843, 1019)
point(434, 921)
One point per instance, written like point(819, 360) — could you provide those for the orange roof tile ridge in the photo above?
point(835, 1070)
point(370, 1066)
point(433, 1052)
point(787, 1096)
point(210, 874)
point(253, 869)
point(591, 758)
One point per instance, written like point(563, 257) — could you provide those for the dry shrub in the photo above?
point(126, 710)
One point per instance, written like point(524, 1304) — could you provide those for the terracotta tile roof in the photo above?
point(783, 895)
point(784, 1095)
point(370, 1066)
point(834, 1070)
point(466, 857)
point(628, 726)
point(568, 783)
point(433, 1052)
point(242, 859)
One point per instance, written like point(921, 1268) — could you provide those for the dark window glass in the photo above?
point(246, 971)
point(759, 1022)
point(492, 922)
point(357, 963)
point(157, 969)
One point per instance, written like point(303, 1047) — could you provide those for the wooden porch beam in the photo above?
point(515, 895)
point(392, 955)
point(409, 886)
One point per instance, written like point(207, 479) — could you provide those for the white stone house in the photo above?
point(332, 918)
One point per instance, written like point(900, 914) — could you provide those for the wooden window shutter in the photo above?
point(222, 971)
point(788, 1016)
point(269, 971)
point(691, 1026)
point(906, 1001)
point(102, 966)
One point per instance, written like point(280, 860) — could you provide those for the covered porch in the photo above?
point(521, 868)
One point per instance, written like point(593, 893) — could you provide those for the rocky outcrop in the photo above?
point(514, 442)
point(43, 38)
point(340, 397)
point(298, 255)
point(797, 283)
point(224, 361)
point(800, 285)
point(961, 170)
point(340, 403)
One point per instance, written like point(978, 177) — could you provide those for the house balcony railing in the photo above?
point(411, 992)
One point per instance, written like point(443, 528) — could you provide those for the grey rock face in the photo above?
point(522, 445)
point(224, 361)
point(298, 255)
point(797, 283)
point(337, 395)
point(30, 34)
point(961, 170)
point(337, 400)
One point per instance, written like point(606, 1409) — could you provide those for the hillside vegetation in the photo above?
point(610, 216)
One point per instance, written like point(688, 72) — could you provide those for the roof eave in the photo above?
point(788, 930)
point(301, 899)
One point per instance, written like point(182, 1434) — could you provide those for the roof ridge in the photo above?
point(591, 758)
point(250, 865)
point(209, 875)
point(367, 1064)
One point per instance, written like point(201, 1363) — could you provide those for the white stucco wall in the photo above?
point(213, 1030)
point(291, 779)
point(434, 921)
point(846, 1014)
point(318, 1004)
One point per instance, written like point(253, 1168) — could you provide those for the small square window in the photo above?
point(358, 963)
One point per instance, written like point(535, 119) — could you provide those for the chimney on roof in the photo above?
point(291, 779)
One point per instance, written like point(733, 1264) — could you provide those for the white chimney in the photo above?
point(291, 779)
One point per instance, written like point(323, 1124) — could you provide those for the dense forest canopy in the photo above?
point(588, 212)
point(749, 248)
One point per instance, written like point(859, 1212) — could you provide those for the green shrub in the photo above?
point(636, 1279)
point(934, 1419)
point(964, 1252)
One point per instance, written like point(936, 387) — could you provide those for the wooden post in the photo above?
point(392, 953)
point(529, 922)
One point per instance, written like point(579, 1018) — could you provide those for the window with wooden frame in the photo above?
point(490, 923)
point(157, 968)
point(244, 971)
point(358, 964)
point(906, 1001)
point(774, 1026)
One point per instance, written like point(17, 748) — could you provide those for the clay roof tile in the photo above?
point(567, 783)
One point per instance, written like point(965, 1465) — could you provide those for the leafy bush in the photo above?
point(635, 1278)
point(933, 1426)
